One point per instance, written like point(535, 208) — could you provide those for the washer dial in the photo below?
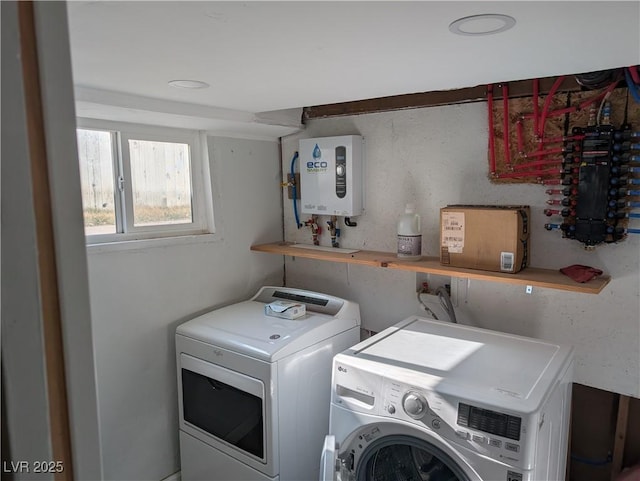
point(414, 404)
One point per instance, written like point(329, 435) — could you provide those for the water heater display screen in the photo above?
point(491, 422)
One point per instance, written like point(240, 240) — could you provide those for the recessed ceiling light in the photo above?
point(188, 84)
point(483, 24)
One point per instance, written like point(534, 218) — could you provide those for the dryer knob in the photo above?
point(414, 404)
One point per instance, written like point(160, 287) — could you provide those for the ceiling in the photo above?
point(260, 57)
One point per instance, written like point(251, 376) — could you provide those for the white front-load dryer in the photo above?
point(431, 401)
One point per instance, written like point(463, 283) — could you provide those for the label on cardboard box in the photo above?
point(506, 261)
point(453, 232)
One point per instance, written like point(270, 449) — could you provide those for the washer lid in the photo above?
point(245, 328)
point(491, 367)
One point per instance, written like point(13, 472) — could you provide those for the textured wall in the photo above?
point(438, 156)
point(139, 296)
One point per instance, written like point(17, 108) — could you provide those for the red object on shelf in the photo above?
point(580, 273)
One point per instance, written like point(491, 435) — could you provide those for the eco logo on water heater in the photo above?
point(317, 165)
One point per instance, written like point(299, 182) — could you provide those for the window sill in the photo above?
point(144, 244)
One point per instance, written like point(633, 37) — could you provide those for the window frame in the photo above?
point(201, 203)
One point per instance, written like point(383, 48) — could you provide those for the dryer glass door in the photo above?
point(226, 405)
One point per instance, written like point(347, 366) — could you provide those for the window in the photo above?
point(141, 182)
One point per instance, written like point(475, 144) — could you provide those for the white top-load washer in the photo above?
point(427, 400)
point(254, 390)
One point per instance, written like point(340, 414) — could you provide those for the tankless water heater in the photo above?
point(331, 175)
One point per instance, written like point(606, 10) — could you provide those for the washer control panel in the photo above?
point(488, 421)
point(488, 432)
point(417, 405)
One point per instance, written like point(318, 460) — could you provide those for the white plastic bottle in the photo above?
point(409, 235)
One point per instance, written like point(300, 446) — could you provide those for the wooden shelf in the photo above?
point(531, 276)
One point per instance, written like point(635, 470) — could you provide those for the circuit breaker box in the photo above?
point(331, 180)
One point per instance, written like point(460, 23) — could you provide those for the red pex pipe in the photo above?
point(536, 93)
point(547, 104)
point(598, 97)
point(582, 106)
point(542, 153)
point(633, 71)
point(530, 173)
point(539, 163)
point(559, 112)
point(568, 110)
point(520, 133)
point(492, 147)
point(556, 140)
point(505, 124)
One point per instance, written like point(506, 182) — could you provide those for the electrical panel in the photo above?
point(331, 180)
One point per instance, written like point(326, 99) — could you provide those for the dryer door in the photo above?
point(223, 408)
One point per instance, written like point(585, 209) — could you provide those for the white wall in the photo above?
point(438, 156)
point(139, 296)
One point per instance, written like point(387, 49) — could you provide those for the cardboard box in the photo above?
point(486, 237)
